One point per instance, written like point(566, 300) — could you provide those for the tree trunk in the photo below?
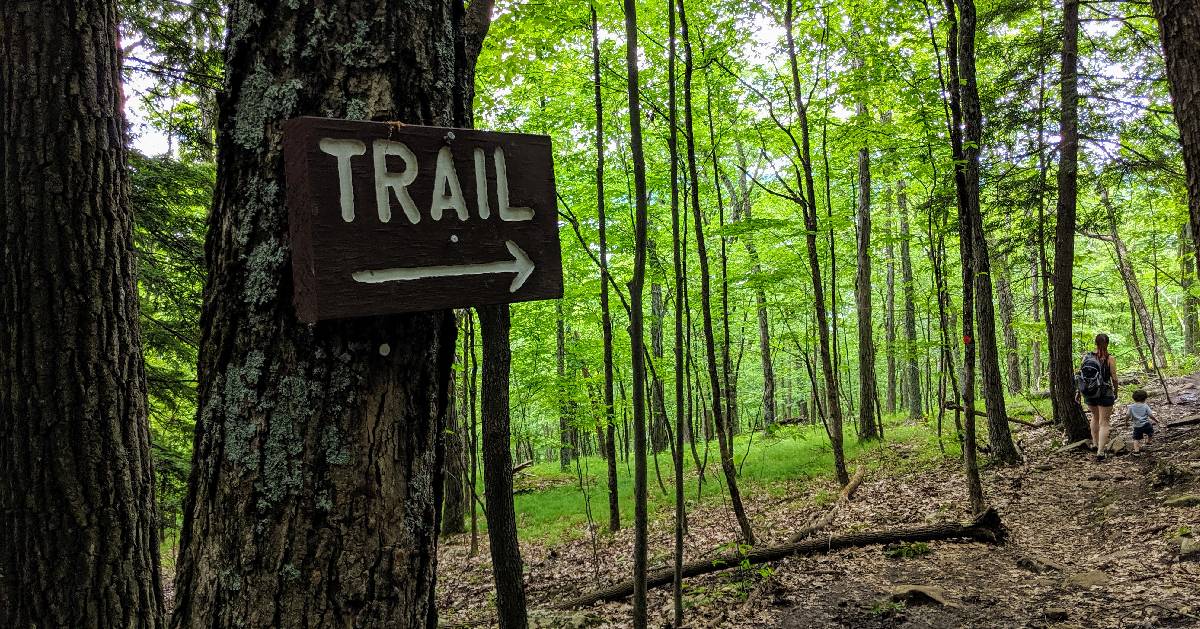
point(999, 436)
point(636, 340)
point(77, 495)
point(1187, 277)
point(316, 477)
point(719, 417)
point(965, 226)
point(889, 323)
point(565, 436)
point(1179, 31)
point(1062, 361)
point(809, 206)
point(658, 312)
point(1137, 302)
point(454, 511)
point(867, 429)
point(610, 446)
point(912, 372)
point(682, 423)
point(742, 209)
point(498, 467)
point(1011, 351)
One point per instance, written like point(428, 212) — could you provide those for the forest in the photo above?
point(832, 273)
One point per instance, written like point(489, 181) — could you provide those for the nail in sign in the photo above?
point(387, 218)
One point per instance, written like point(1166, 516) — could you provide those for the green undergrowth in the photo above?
point(778, 464)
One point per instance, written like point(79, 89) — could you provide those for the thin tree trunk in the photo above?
point(809, 206)
point(640, 516)
point(743, 210)
point(497, 468)
point(722, 430)
point(1187, 277)
point(566, 437)
point(454, 509)
point(472, 387)
point(1137, 302)
point(889, 323)
point(77, 494)
point(1179, 31)
point(965, 227)
point(1062, 364)
point(867, 428)
point(610, 447)
point(682, 423)
point(1011, 351)
point(912, 375)
point(310, 438)
point(999, 435)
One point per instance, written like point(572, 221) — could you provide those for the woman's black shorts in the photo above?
point(1106, 400)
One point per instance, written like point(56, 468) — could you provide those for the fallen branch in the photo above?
point(827, 519)
point(985, 528)
point(951, 406)
point(1186, 421)
point(521, 466)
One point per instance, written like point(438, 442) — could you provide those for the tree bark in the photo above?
point(316, 479)
point(1187, 277)
point(999, 436)
point(77, 495)
point(565, 434)
point(507, 574)
point(610, 445)
point(966, 241)
point(743, 210)
point(1179, 31)
point(454, 510)
point(889, 323)
point(636, 335)
point(867, 384)
point(682, 423)
point(719, 416)
point(912, 372)
point(1062, 363)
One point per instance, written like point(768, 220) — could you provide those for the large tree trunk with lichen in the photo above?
point(316, 479)
point(79, 541)
point(1179, 31)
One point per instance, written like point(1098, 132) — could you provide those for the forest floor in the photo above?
point(1090, 544)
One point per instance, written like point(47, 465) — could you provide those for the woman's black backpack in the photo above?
point(1090, 378)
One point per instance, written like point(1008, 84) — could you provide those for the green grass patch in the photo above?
point(790, 454)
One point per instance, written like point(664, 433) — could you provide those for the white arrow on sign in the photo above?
point(520, 264)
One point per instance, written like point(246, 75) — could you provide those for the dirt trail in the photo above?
point(1091, 544)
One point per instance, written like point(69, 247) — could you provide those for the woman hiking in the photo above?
point(1098, 387)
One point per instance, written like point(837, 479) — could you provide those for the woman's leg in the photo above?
point(1094, 417)
point(1104, 414)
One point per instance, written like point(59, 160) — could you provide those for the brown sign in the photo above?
point(387, 217)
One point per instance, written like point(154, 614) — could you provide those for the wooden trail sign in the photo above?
point(387, 217)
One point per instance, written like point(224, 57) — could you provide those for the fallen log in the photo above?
point(985, 528)
point(827, 519)
point(1186, 421)
point(951, 406)
point(521, 466)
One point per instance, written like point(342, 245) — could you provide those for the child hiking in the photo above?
point(1141, 416)
point(1097, 380)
